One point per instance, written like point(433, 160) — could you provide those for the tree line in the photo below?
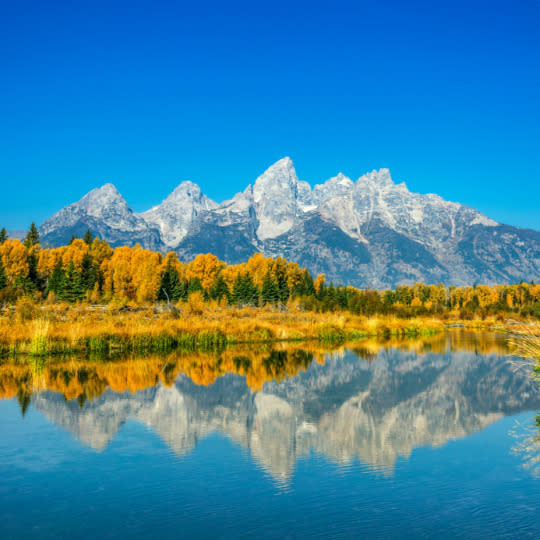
point(88, 269)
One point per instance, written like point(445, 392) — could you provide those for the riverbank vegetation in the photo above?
point(87, 296)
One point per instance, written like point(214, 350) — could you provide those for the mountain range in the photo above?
point(369, 233)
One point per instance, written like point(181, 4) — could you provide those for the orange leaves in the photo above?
point(206, 268)
point(132, 274)
point(14, 258)
point(319, 282)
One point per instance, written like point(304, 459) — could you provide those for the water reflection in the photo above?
point(373, 401)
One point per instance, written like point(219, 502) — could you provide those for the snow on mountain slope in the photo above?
point(105, 212)
point(175, 215)
point(275, 197)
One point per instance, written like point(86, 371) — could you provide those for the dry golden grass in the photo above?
point(65, 328)
point(71, 327)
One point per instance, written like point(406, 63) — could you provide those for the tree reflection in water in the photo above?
point(373, 401)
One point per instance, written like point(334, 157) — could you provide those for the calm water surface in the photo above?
point(405, 440)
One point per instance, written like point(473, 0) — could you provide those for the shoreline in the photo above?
point(61, 329)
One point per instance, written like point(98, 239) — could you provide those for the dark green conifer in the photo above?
point(283, 287)
point(270, 291)
point(244, 290)
point(32, 281)
point(179, 288)
point(220, 289)
point(3, 280)
point(56, 279)
point(32, 237)
point(195, 285)
point(3, 235)
point(88, 237)
point(71, 288)
point(305, 287)
point(89, 272)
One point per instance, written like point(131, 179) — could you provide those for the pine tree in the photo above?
point(244, 291)
point(305, 287)
point(32, 237)
point(179, 288)
point(88, 237)
point(195, 285)
point(220, 289)
point(89, 273)
point(270, 291)
point(71, 288)
point(3, 280)
point(283, 287)
point(3, 235)
point(73, 237)
point(32, 281)
point(56, 279)
point(165, 288)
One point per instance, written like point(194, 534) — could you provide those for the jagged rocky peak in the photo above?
point(380, 178)
point(174, 216)
point(105, 204)
point(190, 190)
point(337, 186)
point(107, 194)
point(275, 197)
point(235, 209)
point(278, 179)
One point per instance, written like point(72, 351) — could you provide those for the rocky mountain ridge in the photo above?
point(369, 233)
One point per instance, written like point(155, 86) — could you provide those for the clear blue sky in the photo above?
point(146, 94)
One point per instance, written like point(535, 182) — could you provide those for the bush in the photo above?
point(26, 308)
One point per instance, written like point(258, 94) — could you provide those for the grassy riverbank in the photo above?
point(64, 329)
point(68, 329)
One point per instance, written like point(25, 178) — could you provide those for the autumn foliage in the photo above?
point(89, 270)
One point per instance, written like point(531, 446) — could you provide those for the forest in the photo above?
point(89, 271)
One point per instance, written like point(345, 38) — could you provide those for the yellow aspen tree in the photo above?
point(14, 258)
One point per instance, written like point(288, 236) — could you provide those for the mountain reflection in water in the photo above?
point(373, 401)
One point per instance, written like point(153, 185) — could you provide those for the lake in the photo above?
point(407, 439)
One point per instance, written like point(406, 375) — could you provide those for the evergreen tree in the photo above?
point(270, 291)
point(172, 288)
point(71, 288)
point(32, 281)
point(3, 280)
point(283, 287)
point(244, 290)
point(165, 288)
point(3, 235)
point(305, 287)
point(73, 237)
point(220, 289)
point(179, 288)
point(56, 279)
point(32, 237)
point(195, 285)
point(88, 237)
point(89, 272)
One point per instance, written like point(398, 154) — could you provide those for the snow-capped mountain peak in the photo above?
point(275, 197)
point(173, 217)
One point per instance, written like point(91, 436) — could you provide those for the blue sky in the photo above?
point(147, 94)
